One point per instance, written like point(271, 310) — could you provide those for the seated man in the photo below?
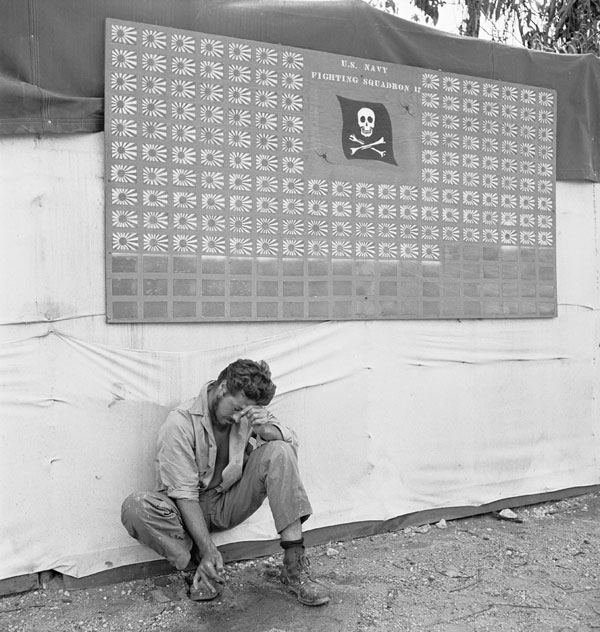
point(218, 457)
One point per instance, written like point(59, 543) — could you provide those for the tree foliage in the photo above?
point(563, 26)
point(567, 26)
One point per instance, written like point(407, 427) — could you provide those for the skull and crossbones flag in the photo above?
point(366, 131)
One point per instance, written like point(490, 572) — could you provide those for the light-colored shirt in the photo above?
point(187, 449)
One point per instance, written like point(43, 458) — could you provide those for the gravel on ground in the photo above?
point(537, 569)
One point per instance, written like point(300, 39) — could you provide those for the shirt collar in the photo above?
point(200, 405)
point(200, 408)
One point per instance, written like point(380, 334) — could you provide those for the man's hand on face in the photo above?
point(256, 415)
point(210, 568)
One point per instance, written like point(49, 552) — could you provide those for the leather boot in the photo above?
point(296, 577)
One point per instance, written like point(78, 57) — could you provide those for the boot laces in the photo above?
point(299, 567)
point(304, 575)
point(304, 563)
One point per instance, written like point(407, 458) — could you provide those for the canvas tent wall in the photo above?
point(394, 417)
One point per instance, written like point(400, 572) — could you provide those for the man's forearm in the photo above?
point(268, 432)
point(195, 524)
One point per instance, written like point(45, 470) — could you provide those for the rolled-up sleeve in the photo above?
point(287, 434)
point(176, 462)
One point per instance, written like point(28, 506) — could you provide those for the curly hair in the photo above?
point(254, 378)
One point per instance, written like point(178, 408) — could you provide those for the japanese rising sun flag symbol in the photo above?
point(366, 131)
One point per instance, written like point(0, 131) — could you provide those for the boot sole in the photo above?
point(305, 602)
point(320, 602)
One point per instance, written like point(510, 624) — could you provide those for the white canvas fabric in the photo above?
point(393, 417)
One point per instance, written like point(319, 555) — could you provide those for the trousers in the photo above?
point(271, 471)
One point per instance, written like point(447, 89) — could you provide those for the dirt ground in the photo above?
point(539, 573)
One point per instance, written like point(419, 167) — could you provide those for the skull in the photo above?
point(366, 121)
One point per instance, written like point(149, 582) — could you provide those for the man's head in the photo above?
point(243, 383)
point(253, 378)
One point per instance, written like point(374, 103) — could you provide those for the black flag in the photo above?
point(366, 131)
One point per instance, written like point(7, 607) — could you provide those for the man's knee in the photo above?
point(279, 456)
point(280, 450)
point(134, 507)
point(152, 519)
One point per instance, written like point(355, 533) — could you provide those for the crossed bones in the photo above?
point(363, 145)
